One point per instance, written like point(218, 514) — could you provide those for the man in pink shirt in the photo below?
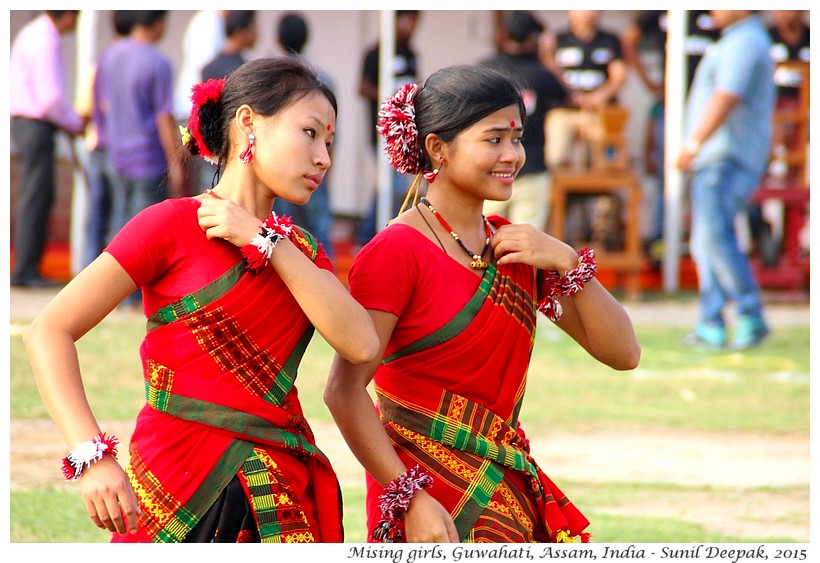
point(39, 108)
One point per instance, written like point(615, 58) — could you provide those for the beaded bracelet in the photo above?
point(80, 458)
point(554, 284)
point(258, 251)
point(395, 501)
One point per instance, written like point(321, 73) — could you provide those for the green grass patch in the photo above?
point(51, 515)
point(765, 389)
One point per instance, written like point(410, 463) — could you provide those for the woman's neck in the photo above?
point(462, 212)
point(241, 187)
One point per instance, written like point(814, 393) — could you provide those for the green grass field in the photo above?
point(761, 391)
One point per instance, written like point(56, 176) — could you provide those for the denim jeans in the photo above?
point(129, 196)
point(659, 160)
point(720, 191)
point(98, 219)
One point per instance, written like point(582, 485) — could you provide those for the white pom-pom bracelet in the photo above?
point(80, 458)
point(258, 251)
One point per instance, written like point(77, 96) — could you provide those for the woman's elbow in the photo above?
point(33, 335)
point(363, 351)
point(628, 359)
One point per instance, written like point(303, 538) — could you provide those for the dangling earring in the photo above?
point(247, 154)
point(430, 176)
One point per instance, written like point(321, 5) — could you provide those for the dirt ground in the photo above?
point(739, 484)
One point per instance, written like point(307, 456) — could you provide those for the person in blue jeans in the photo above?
point(728, 135)
point(292, 34)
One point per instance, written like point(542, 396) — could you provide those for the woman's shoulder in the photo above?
point(165, 217)
point(397, 238)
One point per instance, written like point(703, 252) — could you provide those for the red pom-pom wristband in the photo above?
point(395, 501)
point(554, 284)
point(259, 250)
point(80, 458)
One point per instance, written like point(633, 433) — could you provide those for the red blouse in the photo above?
point(168, 255)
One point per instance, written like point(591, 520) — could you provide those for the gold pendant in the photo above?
point(478, 264)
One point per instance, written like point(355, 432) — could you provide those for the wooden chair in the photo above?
point(627, 262)
point(790, 189)
point(606, 138)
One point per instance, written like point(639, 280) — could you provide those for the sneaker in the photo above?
point(750, 331)
point(711, 337)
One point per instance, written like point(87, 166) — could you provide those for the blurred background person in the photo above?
point(529, 202)
point(405, 69)
point(728, 133)
point(292, 35)
point(240, 35)
point(202, 41)
point(134, 85)
point(39, 108)
point(589, 62)
point(98, 171)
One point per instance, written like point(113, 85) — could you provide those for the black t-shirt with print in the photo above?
point(788, 83)
point(585, 65)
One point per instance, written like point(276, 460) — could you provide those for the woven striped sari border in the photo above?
point(457, 324)
point(189, 514)
point(233, 420)
point(197, 299)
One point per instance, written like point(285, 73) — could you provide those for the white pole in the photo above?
point(675, 100)
point(86, 56)
point(387, 52)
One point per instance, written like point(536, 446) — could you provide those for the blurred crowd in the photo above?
point(574, 78)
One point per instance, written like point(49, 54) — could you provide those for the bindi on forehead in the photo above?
point(512, 124)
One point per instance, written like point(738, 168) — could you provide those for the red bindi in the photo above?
point(512, 124)
point(328, 126)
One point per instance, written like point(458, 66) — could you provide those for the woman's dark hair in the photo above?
point(267, 85)
point(455, 98)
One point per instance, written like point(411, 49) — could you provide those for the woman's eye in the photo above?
point(311, 133)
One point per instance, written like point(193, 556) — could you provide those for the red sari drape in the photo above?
point(219, 369)
point(450, 400)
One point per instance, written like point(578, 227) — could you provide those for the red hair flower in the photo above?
point(397, 124)
point(204, 95)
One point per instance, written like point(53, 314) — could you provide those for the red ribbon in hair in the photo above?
point(201, 94)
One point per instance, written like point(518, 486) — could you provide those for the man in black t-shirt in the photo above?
point(404, 71)
point(790, 43)
point(529, 202)
point(240, 35)
point(589, 62)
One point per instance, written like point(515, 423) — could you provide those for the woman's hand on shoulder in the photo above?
point(427, 521)
point(222, 218)
point(525, 244)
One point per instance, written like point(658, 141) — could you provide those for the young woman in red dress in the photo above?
point(232, 293)
point(454, 297)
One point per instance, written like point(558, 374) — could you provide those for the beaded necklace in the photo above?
point(478, 262)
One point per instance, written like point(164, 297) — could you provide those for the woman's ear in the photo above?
point(244, 119)
point(436, 149)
